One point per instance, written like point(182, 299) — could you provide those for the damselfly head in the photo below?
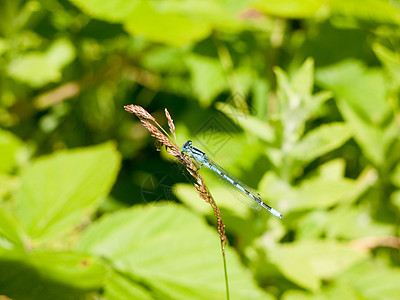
point(186, 146)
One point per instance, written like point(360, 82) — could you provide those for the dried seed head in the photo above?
point(175, 151)
point(170, 123)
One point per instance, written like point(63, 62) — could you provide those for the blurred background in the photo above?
point(298, 99)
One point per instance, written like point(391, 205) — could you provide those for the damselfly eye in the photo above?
point(187, 145)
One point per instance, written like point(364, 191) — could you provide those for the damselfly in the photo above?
point(248, 196)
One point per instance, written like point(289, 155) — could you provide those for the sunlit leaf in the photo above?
point(303, 78)
point(50, 275)
point(7, 184)
point(390, 60)
point(369, 137)
point(122, 287)
point(362, 88)
point(317, 192)
point(307, 263)
point(353, 223)
point(207, 77)
point(9, 145)
point(321, 140)
point(293, 9)
point(372, 11)
point(169, 250)
point(9, 227)
point(59, 190)
point(175, 23)
point(333, 169)
point(373, 281)
point(249, 123)
point(164, 25)
point(38, 69)
point(396, 175)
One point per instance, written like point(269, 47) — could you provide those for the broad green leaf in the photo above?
point(307, 263)
point(9, 227)
point(176, 23)
point(321, 192)
point(373, 281)
point(303, 78)
point(243, 79)
point(188, 195)
point(390, 60)
point(169, 250)
point(9, 145)
point(354, 223)
point(335, 290)
point(3, 45)
point(320, 141)
point(370, 11)
point(293, 8)
point(395, 199)
point(249, 123)
point(333, 169)
point(261, 91)
point(296, 102)
point(295, 267)
point(50, 275)
point(57, 191)
point(311, 225)
point(396, 175)
point(7, 184)
point(164, 25)
point(224, 199)
point(207, 78)
point(119, 286)
point(362, 88)
point(38, 69)
point(369, 137)
point(317, 192)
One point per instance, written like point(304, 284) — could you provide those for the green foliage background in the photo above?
point(299, 99)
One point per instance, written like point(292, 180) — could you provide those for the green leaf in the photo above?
point(293, 8)
point(119, 286)
point(59, 190)
point(7, 184)
point(169, 250)
point(249, 123)
point(362, 88)
point(207, 78)
point(317, 192)
point(396, 175)
point(176, 23)
point(373, 281)
point(50, 275)
point(303, 78)
point(395, 199)
point(371, 11)
point(321, 192)
point(369, 137)
point(9, 227)
point(297, 104)
point(335, 290)
point(390, 60)
point(9, 146)
point(354, 223)
point(307, 263)
point(321, 141)
point(333, 169)
point(165, 25)
point(38, 69)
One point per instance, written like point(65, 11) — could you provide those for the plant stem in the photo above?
point(225, 271)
